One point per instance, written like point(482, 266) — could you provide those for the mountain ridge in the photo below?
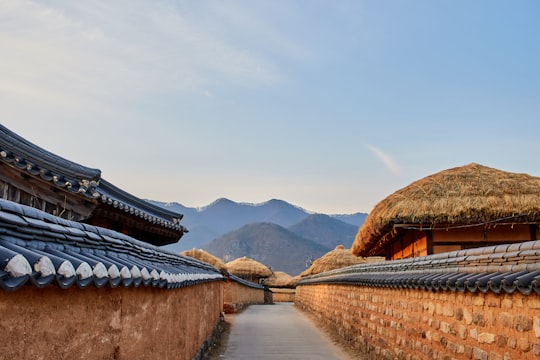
point(273, 245)
point(223, 215)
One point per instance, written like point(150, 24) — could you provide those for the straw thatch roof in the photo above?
point(206, 257)
point(471, 194)
point(245, 266)
point(335, 259)
point(279, 278)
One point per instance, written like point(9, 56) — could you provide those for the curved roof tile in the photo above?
point(245, 282)
point(118, 198)
point(42, 249)
point(508, 268)
point(50, 167)
point(79, 179)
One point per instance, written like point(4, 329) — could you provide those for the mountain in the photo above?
point(356, 219)
point(223, 215)
point(270, 244)
point(325, 230)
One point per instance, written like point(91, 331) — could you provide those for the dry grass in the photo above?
point(335, 259)
point(206, 257)
point(278, 278)
point(245, 266)
point(471, 194)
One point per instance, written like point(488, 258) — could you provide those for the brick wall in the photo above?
point(120, 323)
point(388, 323)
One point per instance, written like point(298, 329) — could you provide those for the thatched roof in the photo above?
point(467, 195)
point(245, 266)
point(208, 258)
point(335, 259)
point(279, 278)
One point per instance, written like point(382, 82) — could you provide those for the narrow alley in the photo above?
point(279, 331)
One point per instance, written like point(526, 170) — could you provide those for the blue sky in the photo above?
point(329, 105)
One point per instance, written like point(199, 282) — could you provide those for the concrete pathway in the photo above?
point(278, 331)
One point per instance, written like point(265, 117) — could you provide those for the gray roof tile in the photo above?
point(501, 268)
point(44, 250)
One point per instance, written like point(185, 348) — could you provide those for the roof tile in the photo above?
point(48, 250)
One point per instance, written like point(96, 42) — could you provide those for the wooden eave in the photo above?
point(399, 229)
point(48, 181)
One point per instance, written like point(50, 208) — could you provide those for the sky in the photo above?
point(328, 105)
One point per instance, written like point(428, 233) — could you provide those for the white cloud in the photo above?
point(386, 159)
point(92, 53)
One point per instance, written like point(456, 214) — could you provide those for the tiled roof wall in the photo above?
point(502, 268)
point(41, 249)
point(245, 282)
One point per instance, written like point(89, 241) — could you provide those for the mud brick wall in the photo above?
point(282, 295)
point(413, 324)
point(105, 323)
point(236, 296)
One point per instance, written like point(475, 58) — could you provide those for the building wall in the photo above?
point(414, 243)
point(119, 323)
point(480, 234)
point(413, 324)
point(237, 296)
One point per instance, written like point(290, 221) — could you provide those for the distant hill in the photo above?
point(326, 231)
point(223, 215)
point(270, 244)
point(356, 219)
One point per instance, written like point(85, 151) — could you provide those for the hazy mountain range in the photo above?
point(276, 233)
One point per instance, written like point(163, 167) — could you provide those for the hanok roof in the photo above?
point(471, 194)
point(153, 224)
point(36, 161)
point(42, 249)
point(151, 220)
point(501, 268)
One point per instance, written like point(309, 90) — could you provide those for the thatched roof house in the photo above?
point(248, 269)
point(206, 257)
point(335, 259)
point(458, 208)
point(279, 279)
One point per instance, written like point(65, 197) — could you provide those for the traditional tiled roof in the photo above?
point(50, 167)
point(118, 198)
point(41, 249)
point(80, 180)
point(502, 268)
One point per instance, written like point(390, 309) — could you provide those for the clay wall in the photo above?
point(282, 294)
point(388, 323)
point(236, 296)
point(108, 323)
